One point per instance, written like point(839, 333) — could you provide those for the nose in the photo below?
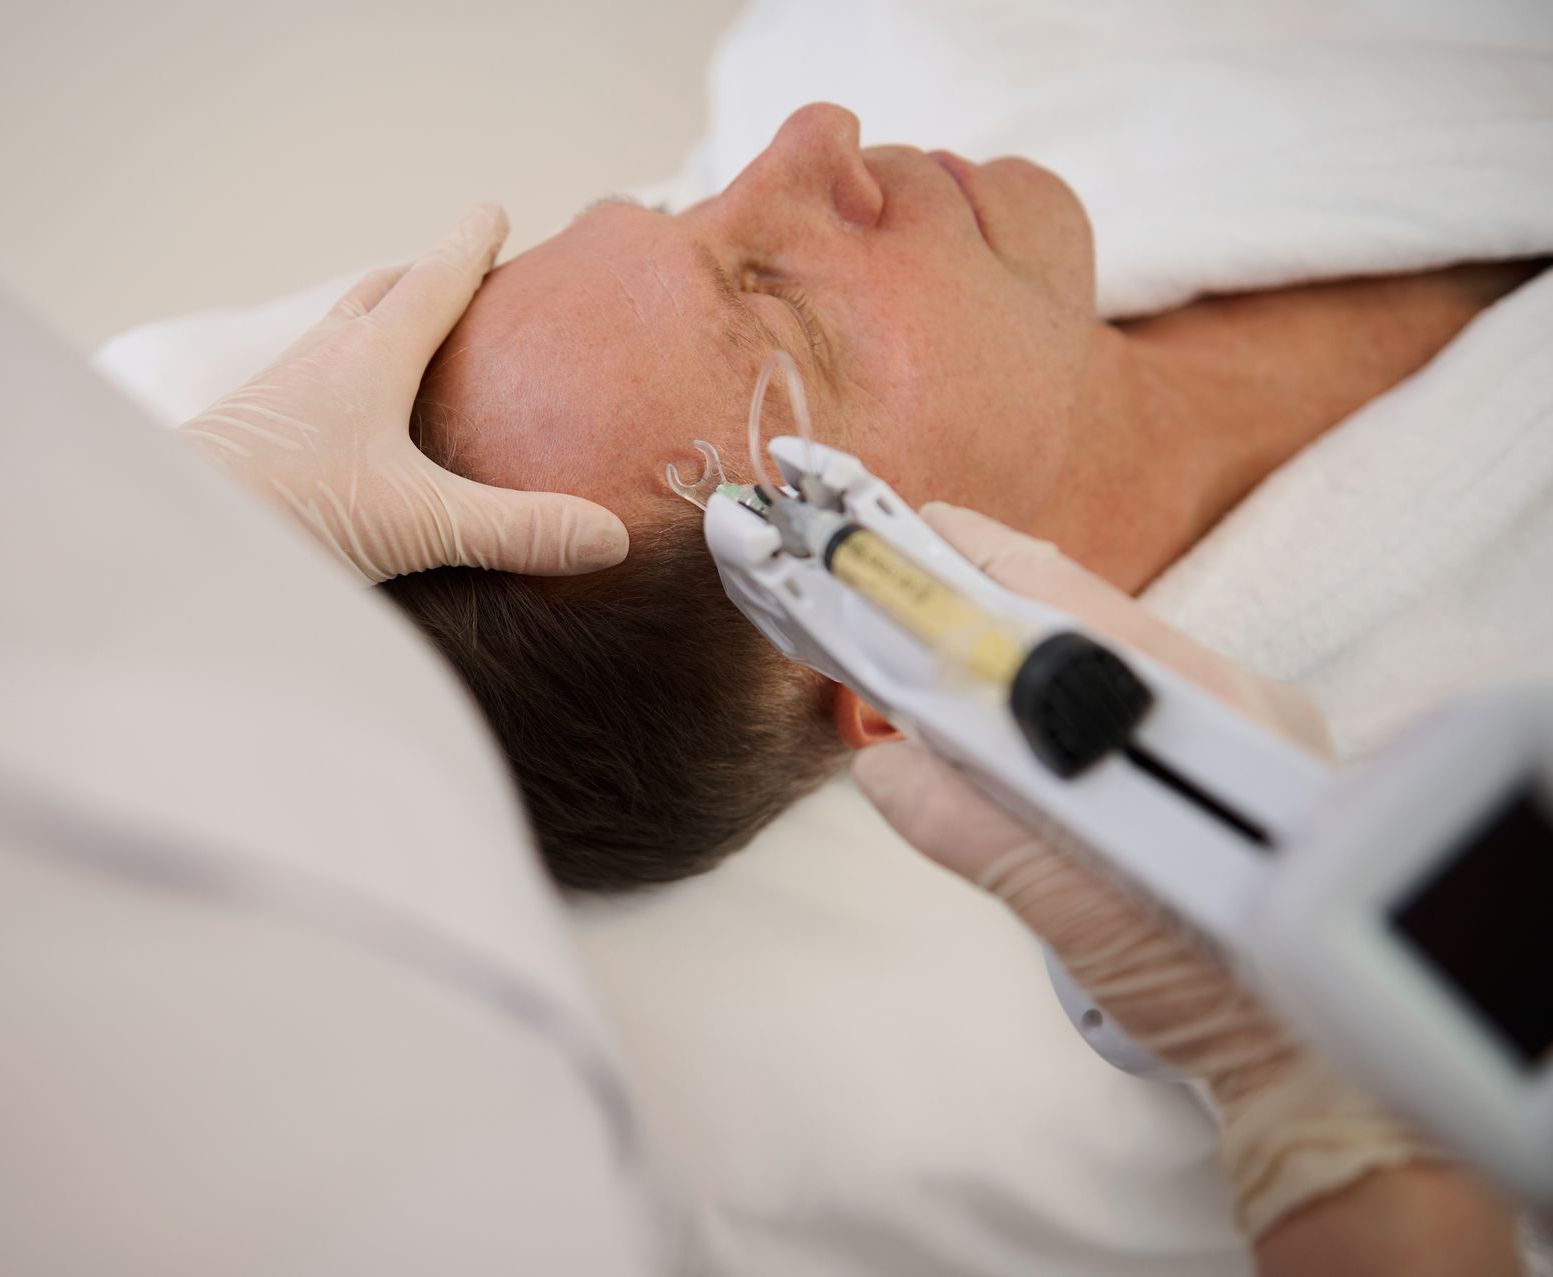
point(816, 154)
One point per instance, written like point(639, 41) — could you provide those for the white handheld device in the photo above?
point(1400, 918)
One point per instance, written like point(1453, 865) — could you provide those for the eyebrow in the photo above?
point(743, 328)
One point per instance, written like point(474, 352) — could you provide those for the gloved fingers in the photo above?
point(1023, 563)
point(357, 300)
point(366, 292)
point(1169, 995)
point(533, 533)
point(941, 814)
point(934, 808)
point(1038, 570)
point(1295, 715)
point(422, 306)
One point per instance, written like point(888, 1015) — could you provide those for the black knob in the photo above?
point(1076, 701)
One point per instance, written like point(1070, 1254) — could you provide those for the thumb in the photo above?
point(1038, 570)
point(533, 533)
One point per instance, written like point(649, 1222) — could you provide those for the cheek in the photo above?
point(912, 343)
point(927, 360)
point(962, 403)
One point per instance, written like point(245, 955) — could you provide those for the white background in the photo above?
point(168, 155)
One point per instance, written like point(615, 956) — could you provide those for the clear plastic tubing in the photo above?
point(800, 405)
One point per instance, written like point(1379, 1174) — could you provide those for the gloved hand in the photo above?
point(1170, 997)
point(323, 435)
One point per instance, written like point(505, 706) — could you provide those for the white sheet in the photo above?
point(856, 1063)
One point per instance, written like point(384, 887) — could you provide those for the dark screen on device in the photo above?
point(1484, 922)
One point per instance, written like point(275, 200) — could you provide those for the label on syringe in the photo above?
point(945, 621)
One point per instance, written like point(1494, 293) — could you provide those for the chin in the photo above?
point(1040, 182)
point(1047, 231)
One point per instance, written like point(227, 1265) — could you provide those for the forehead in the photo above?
point(587, 362)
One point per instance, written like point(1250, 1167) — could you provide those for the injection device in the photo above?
point(1399, 917)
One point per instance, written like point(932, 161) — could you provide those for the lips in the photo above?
point(964, 174)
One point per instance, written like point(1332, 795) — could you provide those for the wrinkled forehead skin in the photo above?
point(586, 363)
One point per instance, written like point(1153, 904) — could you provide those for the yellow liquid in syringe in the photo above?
point(951, 625)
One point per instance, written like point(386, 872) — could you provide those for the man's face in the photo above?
point(940, 312)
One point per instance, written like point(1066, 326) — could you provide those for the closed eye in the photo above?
point(798, 301)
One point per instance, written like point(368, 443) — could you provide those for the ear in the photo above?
point(858, 723)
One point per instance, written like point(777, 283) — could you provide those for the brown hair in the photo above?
point(652, 728)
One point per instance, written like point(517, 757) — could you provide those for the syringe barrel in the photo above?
point(944, 620)
point(1074, 700)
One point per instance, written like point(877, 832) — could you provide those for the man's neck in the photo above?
point(1184, 413)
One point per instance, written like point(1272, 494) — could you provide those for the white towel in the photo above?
point(1407, 555)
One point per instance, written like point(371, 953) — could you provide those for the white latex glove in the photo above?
point(323, 435)
point(1169, 996)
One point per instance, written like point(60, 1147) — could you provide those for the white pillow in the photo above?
point(175, 368)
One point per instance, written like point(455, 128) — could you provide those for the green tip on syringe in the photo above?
point(746, 494)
